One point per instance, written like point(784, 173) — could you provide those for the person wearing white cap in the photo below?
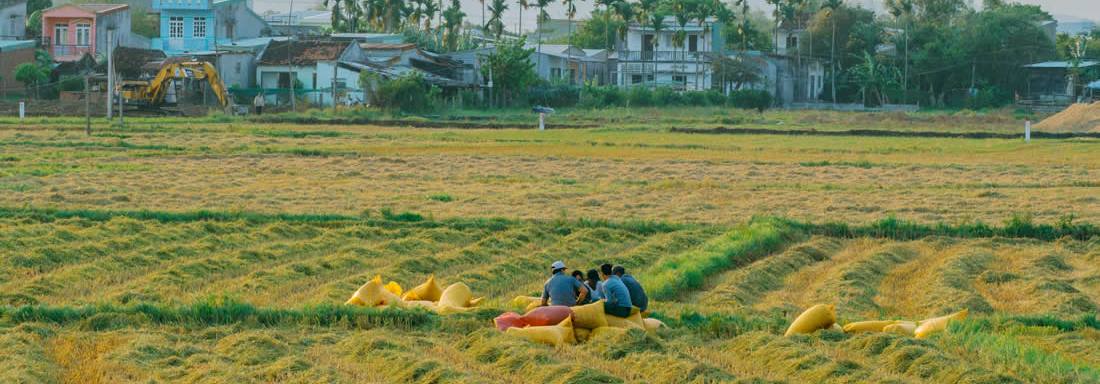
point(561, 289)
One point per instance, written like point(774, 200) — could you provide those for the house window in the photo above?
point(314, 80)
point(238, 66)
point(555, 72)
point(83, 34)
point(635, 79)
point(60, 34)
point(792, 42)
point(693, 43)
point(200, 27)
point(175, 27)
point(679, 79)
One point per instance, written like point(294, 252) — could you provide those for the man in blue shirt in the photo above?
point(637, 293)
point(562, 289)
point(615, 292)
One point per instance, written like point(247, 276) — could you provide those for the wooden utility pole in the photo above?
point(110, 73)
point(87, 107)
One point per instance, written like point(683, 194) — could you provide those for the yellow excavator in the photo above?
point(151, 94)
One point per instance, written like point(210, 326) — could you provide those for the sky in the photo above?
point(1088, 9)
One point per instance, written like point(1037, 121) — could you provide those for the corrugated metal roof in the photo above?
point(1062, 64)
point(103, 8)
point(10, 45)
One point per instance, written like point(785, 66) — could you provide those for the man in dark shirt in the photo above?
point(561, 289)
point(637, 293)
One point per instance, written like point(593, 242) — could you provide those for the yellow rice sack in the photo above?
point(937, 324)
point(868, 326)
point(429, 291)
point(456, 295)
point(905, 328)
point(581, 334)
point(820, 316)
point(532, 305)
point(393, 288)
point(632, 321)
point(589, 316)
point(606, 333)
point(521, 302)
point(651, 324)
point(372, 294)
point(546, 334)
point(568, 332)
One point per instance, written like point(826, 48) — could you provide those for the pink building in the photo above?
point(72, 30)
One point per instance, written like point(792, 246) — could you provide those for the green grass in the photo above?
point(222, 311)
point(676, 274)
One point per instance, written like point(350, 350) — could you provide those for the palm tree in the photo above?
point(645, 9)
point(625, 12)
point(657, 21)
point(543, 17)
point(830, 7)
point(452, 24)
point(523, 4)
point(496, 23)
point(570, 12)
point(337, 19)
point(683, 13)
point(703, 10)
point(606, 20)
point(429, 12)
point(414, 13)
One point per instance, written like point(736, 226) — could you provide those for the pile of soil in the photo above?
point(1077, 118)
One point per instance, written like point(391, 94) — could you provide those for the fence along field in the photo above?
point(110, 273)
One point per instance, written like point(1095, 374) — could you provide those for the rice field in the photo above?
point(220, 252)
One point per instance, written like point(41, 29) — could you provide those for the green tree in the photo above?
point(34, 16)
point(511, 69)
point(596, 33)
point(452, 25)
point(875, 80)
point(542, 18)
point(495, 25)
point(830, 6)
point(735, 73)
point(31, 75)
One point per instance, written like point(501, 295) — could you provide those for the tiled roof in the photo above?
point(301, 52)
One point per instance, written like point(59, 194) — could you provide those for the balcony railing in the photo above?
point(59, 51)
point(663, 56)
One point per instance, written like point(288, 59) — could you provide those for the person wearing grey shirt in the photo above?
point(615, 293)
point(561, 289)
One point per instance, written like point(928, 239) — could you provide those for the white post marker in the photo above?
point(22, 110)
point(542, 119)
point(1027, 131)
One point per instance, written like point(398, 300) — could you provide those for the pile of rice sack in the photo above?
point(823, 316)
point(556, 325)
point(455, 298)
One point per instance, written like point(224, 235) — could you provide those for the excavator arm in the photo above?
point(155, 92)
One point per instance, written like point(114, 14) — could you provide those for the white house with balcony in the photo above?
point(647, 57)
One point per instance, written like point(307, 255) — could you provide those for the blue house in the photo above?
point(193, 26)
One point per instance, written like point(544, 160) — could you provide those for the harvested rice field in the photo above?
point(223, 252)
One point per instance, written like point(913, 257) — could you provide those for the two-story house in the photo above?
point(13, 19)
point(190, 26)
point(70, 31)
point(657, 58)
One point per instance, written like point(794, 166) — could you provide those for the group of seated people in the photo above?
point(619, 290)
